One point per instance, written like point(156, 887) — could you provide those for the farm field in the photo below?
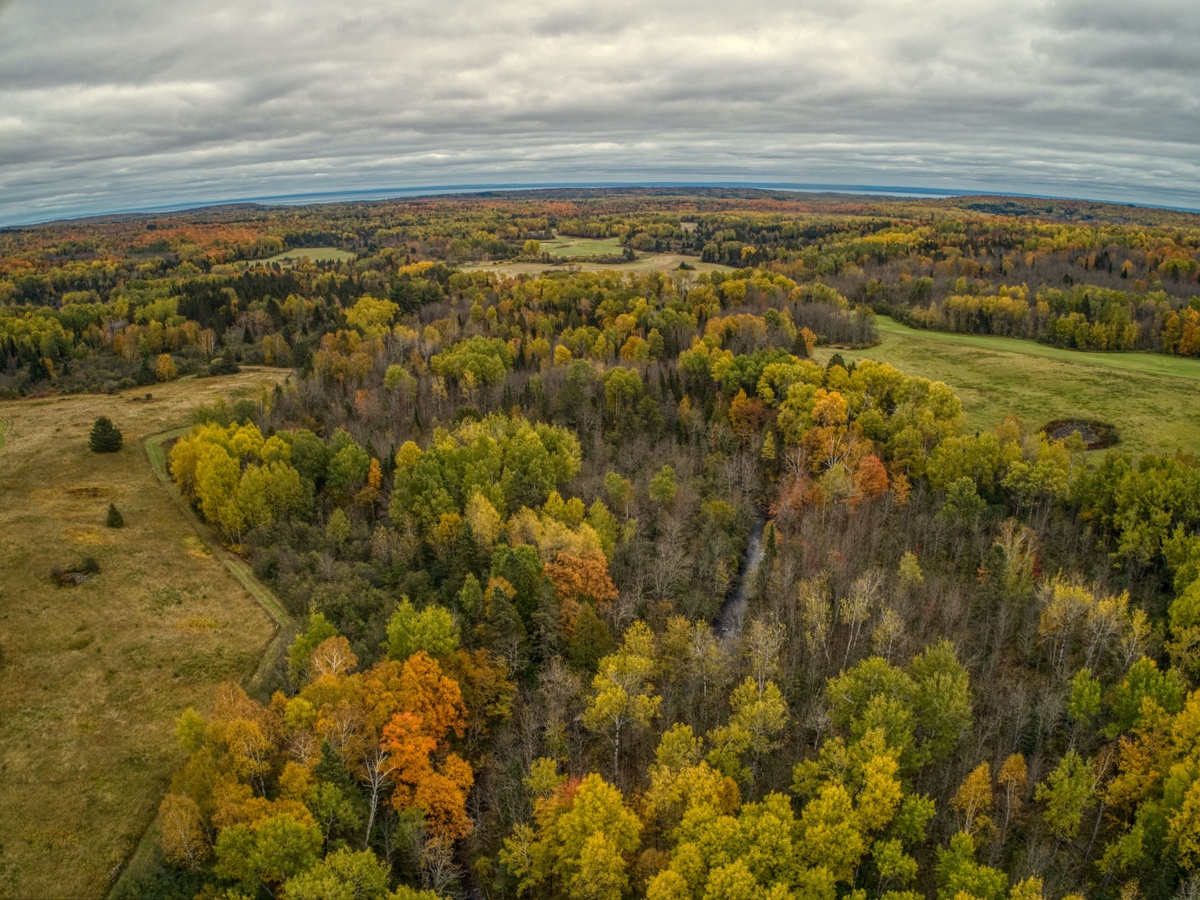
point(96, 674)
point(578, 246)
point(1153, 400)
point(646, 262)
point(316, 254)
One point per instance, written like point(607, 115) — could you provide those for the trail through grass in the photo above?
point(1153, 400)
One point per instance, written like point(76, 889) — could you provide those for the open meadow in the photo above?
point(95, 674)
point(314, 254)
point(645, 262)
point(580, 246)
point(1153, 399)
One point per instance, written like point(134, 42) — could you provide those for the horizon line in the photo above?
point(322, 198)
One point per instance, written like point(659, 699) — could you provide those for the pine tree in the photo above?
point(114, 519)
point(105, 437)
point(145, 375)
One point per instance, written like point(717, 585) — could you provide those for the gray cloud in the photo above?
point(132, 104)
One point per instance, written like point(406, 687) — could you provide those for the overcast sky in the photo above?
point(110, 105)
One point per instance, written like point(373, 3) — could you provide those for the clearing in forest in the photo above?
point(95, 674)
point(314, 254)
point(1152, 399)
point(645, 262)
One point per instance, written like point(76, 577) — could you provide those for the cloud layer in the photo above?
point(133, 104)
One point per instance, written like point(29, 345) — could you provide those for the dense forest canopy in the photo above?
point(506, 510)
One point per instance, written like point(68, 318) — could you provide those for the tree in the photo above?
point(342, 875)
point(582, 842)
point(623, 696)
point(114, 519)
point(105, 437)
point(301, 650)
point(1065, 794)
point(182, 835)
point(270, 851)
point(974, 799)
point(431, 630)
point(959, 875)
point(663, 486)
point(164, 368)
point(426, 776)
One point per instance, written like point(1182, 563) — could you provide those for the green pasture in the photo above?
point(1154, 400)
point(581, 247)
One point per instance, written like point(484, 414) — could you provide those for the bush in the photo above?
point(222, 366)
point(105, 436)
point(114, 518)
point(76, 574)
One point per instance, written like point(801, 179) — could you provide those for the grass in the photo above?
point(1153, 400)
point(578, 246)
point(316, 254)
point(3, 428)
point(645, 262)
point(95, 675)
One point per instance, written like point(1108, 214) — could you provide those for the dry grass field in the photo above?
point(95, 674)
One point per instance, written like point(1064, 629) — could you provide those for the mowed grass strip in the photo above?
point(95, 675)
point(1153, 400)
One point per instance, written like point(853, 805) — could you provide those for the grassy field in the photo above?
point(1153, 400)
point(316, 254)
point(578, 246)
point(646, 262)
point(95, 674)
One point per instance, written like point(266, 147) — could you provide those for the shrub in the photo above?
point(78, 574)
point(105, 437)
point(114, 518)
point(222, 366)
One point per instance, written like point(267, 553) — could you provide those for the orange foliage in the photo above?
point(579, 578)
point(432, 706)
point(747, 416)
point(870, 479)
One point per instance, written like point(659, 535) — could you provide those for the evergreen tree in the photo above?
point(105, 437)
point(114, 519)
point(145, 375)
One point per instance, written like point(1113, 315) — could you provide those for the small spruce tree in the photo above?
point(105, 437)
point(115, 519)
point(144, 374)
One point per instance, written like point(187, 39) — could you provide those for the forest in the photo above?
point(610, 582)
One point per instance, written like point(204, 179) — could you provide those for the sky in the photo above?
point(134, 104)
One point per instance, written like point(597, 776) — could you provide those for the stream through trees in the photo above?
point(733, 610)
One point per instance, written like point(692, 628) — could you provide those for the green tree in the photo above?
point(105, 438)
point(269, 852)
point(342, 875)
point(624, 697)
point(431, 629)
point(1065, 794)
point(662, 486)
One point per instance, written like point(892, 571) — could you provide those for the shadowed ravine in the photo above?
point(733, 610)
